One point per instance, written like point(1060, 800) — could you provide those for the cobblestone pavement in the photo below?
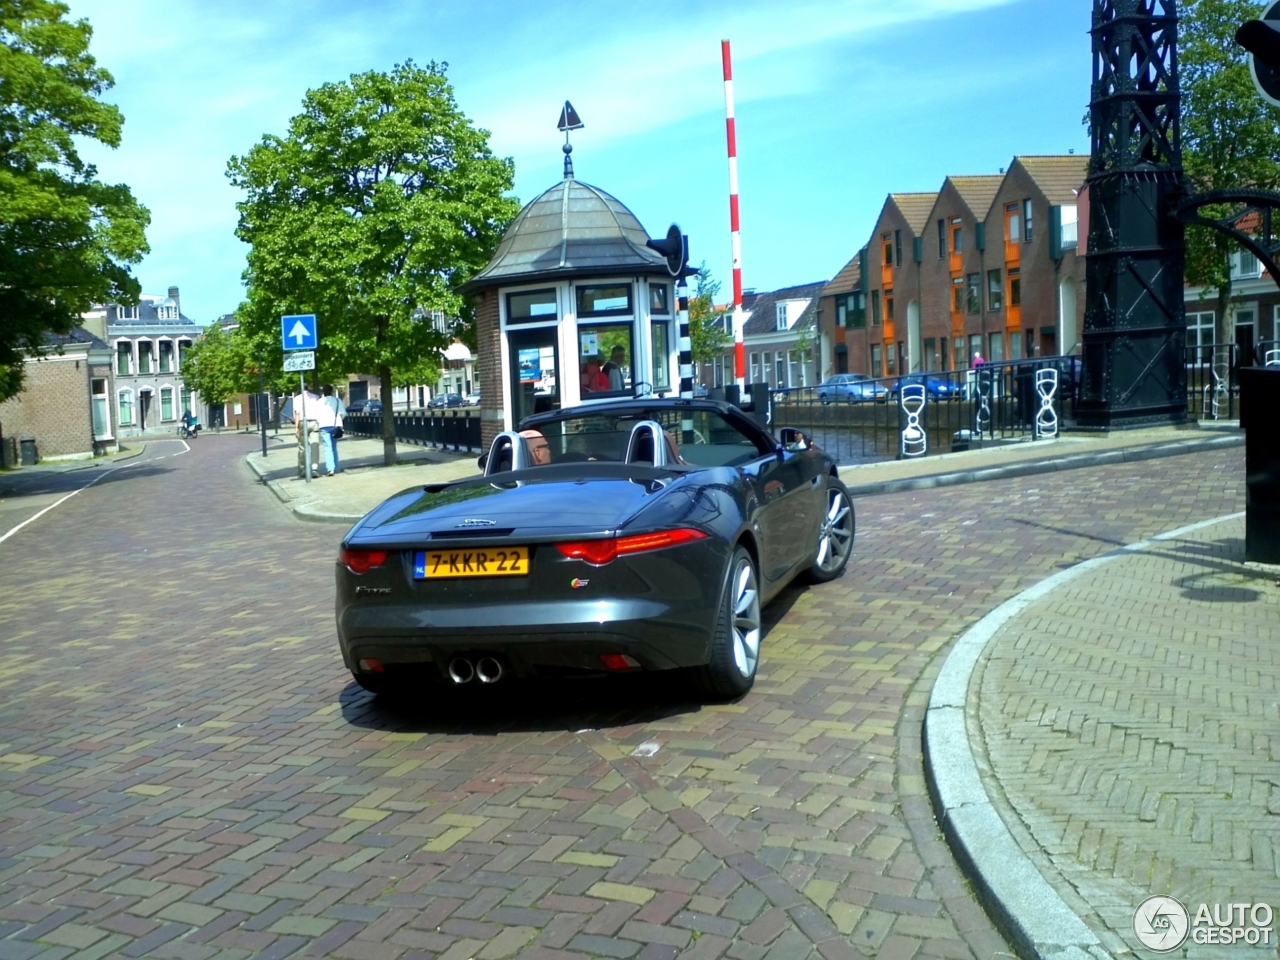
point(185, 769)
point(1129, 723)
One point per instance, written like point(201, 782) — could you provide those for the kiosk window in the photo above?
point(659, 299)
point(531, 307)
point(661, 356)
point(604, 300)
point(605, 353)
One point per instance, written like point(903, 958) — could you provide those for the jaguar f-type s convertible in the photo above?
point(630, 535)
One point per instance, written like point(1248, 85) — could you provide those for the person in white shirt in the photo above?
point(309, 406)
point(330, 423)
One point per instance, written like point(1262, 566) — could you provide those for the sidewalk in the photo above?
point(1108, 735)
point(364, 483)
point(361, 483)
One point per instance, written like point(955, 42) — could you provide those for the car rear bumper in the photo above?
point(534, 638)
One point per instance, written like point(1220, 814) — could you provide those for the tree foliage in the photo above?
point(219, 365)
point(66, 238)
point(1230, 135)
point(707, 335)
point(379, 201)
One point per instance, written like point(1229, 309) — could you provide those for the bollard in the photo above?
point(1259, 400)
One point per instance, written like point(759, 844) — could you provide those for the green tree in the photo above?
point(66, 238)
point(381, 199)
point(707, 336)
point(1230, 135)
point(219, 365)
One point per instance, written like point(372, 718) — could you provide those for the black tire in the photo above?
point(735, 644)
point(835, 537)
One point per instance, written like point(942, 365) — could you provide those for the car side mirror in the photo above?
point(793, 440)
point(482, 460)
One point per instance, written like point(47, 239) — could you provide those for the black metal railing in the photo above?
point(992, 404)
point(447, 429)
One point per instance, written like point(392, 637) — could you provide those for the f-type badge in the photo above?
point(477, 522)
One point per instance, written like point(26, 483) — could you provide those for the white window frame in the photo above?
point(1244, 265)
point(780, 315)
point(105, 397)
point(173, 355)
point(1197, 321)
point(137, 357)
point(173, 416)
point(132, 421)
point(133, 358)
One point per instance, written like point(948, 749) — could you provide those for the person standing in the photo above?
point(330, 424)
point(307, 406)
point(613, 369)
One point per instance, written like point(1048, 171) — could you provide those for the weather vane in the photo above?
point(568, 121)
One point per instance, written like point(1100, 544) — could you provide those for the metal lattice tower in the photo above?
point(1134, 324)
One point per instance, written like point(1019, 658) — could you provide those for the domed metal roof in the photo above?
point(571, 230)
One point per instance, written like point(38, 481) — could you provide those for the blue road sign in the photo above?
point(299, 331)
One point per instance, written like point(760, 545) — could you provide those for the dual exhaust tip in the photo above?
point(486, 670)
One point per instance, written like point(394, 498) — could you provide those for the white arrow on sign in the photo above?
point(299, 333)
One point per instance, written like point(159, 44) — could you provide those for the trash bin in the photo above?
point(29, 453)
point(1259, 398)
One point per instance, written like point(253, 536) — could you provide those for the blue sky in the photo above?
point(838, 103)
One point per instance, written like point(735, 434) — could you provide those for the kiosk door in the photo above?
point(535, 382)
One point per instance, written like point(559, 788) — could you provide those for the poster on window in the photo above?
point(530, 365)
point(590, 342)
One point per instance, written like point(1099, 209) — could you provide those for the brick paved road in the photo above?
point(186, 771)
point(1138, 751)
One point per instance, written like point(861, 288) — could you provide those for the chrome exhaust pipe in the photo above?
point(488, 670)
point(461, 671)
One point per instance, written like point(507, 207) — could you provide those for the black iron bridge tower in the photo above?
point(1134, 324)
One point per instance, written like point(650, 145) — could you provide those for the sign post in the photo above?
point(298, 332)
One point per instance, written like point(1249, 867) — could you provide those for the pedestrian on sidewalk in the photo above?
point(330, 425)
point(307, 406)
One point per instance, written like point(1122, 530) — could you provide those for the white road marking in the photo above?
point(123, 466)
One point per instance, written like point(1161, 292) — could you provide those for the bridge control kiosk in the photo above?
point(574, 307)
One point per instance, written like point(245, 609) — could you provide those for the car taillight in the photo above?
point(362, 561)
point(600, 552)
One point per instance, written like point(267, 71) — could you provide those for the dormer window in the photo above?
point(167, 312)
point(126, 313)
point(780, 312)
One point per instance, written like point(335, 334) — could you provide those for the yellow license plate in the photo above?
point(477, 562)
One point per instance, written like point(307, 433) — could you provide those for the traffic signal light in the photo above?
point(675, 248)
point(1262, 39)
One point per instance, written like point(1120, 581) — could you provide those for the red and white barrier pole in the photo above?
point(739, 351)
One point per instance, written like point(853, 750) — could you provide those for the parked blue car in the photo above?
point(937, 386)
point(851, 388)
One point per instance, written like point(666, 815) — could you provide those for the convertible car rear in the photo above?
point(625, 536)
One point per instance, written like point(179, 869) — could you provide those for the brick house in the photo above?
point(987, 265)
point(64, 403)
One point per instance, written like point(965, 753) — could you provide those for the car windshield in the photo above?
point(701, 437)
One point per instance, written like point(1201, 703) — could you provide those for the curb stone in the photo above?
point(1025, 908)
point(1033, 467)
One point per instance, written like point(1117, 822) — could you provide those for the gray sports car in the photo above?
point(633, 535)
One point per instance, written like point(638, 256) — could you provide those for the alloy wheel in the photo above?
point(836, 536)
point(746, 619)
